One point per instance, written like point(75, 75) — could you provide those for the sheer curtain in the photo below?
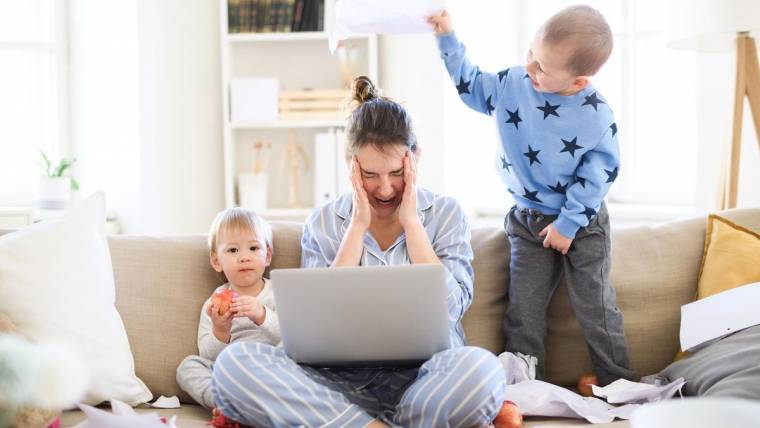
point(32, 93)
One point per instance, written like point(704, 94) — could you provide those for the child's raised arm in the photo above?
point(478, 89)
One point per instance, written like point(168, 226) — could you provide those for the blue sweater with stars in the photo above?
point(559, 154)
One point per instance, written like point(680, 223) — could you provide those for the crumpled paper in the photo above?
point(538, 398)
point(166, 402)
point(359, 17)
point(518, 367)
point(122, 416)
point(625, 391)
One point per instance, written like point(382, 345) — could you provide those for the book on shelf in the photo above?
point(280, 16)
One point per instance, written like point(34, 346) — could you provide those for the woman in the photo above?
point(386, 220)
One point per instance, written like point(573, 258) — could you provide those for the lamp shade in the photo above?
point(710, 25)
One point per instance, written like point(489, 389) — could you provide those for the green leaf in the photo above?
point(74, 184)
point(48, 164)
point(63, 166)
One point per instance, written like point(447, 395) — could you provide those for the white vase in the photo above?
point(53, 193)
point(252, 190)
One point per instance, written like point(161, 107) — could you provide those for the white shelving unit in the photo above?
point(299, 60)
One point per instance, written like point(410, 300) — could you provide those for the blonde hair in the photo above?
point(236, 219)
point(584, 30)
point(377, 120)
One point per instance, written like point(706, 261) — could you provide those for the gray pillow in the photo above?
point(727, 368)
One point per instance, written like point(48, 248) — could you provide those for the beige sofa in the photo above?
point(161, 283)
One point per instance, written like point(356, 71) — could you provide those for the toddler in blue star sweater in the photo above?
point(558, 157)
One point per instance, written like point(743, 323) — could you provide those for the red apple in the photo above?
point(223, 299)
point(584, 384)
point(509, 416)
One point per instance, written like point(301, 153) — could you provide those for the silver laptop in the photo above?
point(362, 316)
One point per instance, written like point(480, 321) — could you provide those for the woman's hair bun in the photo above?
point(363, 90)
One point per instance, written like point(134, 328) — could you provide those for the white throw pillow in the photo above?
point(56, 281)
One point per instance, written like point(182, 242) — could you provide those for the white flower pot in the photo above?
point(53, 193)
point(252, 190)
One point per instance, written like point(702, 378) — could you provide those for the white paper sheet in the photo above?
point(166, 402)
point(359, 17)
point(538, 398)
point(625, 391)
point(719, 315)
point(122, 416)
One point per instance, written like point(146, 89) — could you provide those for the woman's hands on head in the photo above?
point(361, 215)
point(407, 211)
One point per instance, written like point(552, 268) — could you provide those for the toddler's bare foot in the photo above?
point(584, 384)
point(509, 416)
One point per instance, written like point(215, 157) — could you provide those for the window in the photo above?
point(651, 88)
point(33, 88)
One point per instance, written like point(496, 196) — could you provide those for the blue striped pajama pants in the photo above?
point(257, 384)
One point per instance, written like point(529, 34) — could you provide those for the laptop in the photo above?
point(362, 316)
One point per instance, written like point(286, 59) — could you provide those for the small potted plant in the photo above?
point(55, 185)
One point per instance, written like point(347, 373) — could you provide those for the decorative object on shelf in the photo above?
point(296, 162)
point(253, 186)
point(715, 26)
point(347, 54)
point(55, 185)
point(253, 98)
point(314, 104)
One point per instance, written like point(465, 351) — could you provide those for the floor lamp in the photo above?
point(715, 26)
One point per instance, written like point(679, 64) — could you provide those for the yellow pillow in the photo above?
point(731, 257)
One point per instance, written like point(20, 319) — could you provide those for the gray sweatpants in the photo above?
point(194, 377)
point(535, 273)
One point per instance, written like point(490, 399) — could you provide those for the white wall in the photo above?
point(715, 95)
point(104, 99)
point(146, 113)
point(410, 74)
point(180, 107)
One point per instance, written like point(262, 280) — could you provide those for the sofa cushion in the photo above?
point(57, 284)
point(730, 257)
point(483, 320)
